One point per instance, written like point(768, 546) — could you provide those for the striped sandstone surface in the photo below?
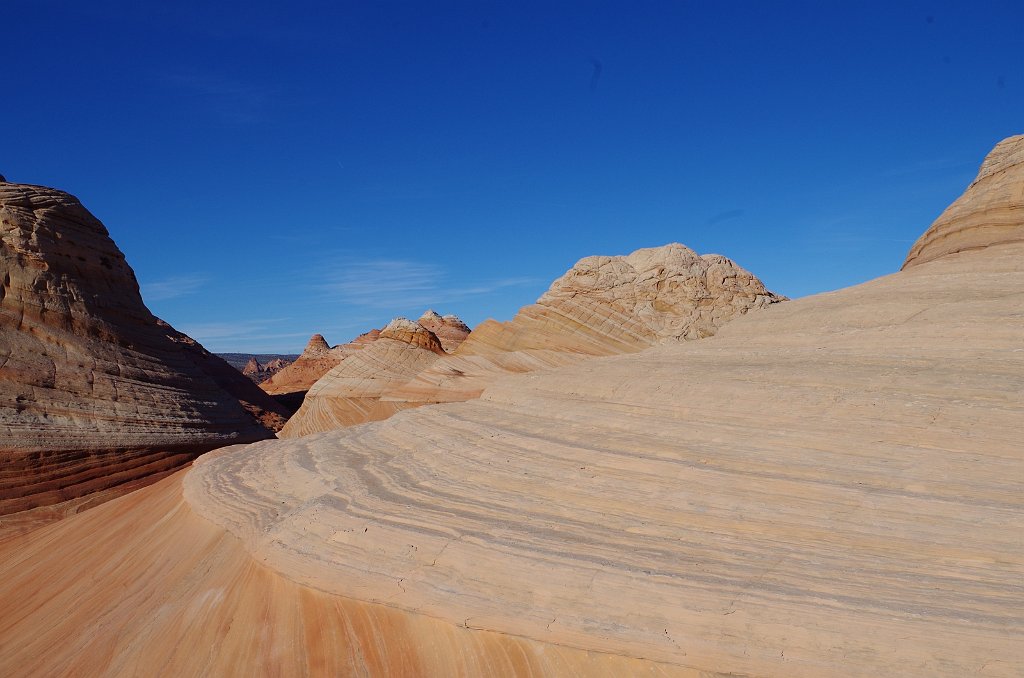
point(988, 212)
point(96, 394)
point(353, 391)
point(826, 487)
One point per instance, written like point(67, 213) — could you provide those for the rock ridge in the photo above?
point(990, 212)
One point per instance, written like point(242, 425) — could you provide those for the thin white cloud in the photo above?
point(383, 283)
point(393, 284)
point(172, 288)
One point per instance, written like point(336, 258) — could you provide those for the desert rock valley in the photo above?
point(660, 468)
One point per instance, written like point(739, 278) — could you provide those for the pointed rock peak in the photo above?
point(450, 330)
point(317, 346)
point(990, 212)
point(252, 367)
point(403, 329)
point(430, 314)
point(2, 179)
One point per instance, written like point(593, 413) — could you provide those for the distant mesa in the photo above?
point(97, 396)
point(604, 305)
point(990, 212)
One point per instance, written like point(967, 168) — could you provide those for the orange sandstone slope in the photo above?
point(826, 488)
point(319, 358)
point(351, 392)
point(601, 306)
point(96, 394)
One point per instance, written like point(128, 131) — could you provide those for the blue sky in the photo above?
point(277, 169)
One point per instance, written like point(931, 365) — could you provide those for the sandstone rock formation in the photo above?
point(449, 329)
point(990, 211)
point(826, 488)
point(352, 392)
point(258, 372)
point(96, 394)
point(316, 360)
point(601, 306)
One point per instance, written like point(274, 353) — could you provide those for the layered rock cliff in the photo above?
point(96, 394)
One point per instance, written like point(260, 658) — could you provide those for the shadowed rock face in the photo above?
point(96, 393)
point(990, 212)
point(601, 306)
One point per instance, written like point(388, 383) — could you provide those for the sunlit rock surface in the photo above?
point(601, 306)
point(991, 210)
point(827, 487)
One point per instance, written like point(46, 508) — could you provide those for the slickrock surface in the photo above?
point(352, 392)
point(990, 211)
point(165, 592)
point(828, 488)
point(601, 306)
point(96, 394)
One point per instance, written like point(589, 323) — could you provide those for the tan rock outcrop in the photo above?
point(601, 306)
point(449, 329)
point(252, 368)
point(96, 394)
point(316, 360)
point(258, 372)
point(990, 212)
point(352, 392)
point(826, 488)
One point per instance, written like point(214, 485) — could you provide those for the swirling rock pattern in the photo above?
point(97, 394)
point(830, 487)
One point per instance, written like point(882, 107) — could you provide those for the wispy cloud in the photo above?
point(383, 283)
point(396, 284)
point(172, 288)
point(725, 216)
point(227, 336)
